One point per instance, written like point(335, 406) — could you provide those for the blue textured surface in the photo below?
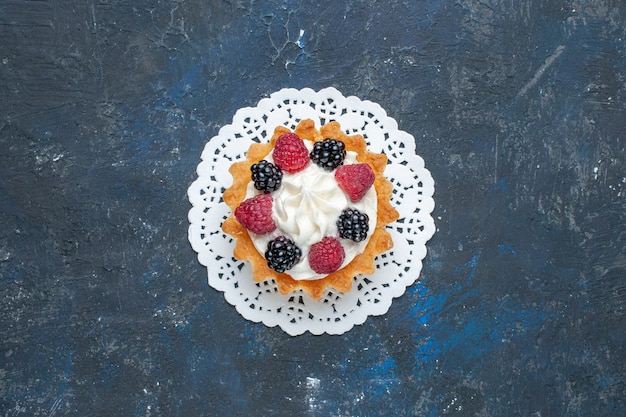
point(517, 107)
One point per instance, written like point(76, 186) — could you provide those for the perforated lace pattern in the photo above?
point(335, 313)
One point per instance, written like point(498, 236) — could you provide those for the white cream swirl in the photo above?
point(308, 204)
point(306, 208)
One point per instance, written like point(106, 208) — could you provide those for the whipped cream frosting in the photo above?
point(306, 208)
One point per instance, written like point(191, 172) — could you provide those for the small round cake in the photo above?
point(310, 208)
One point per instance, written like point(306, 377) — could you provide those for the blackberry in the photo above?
point(282, 254)
point(328, 153)
point(266, 176)
point(353, 225)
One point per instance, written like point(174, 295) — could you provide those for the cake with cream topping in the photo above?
point(310, 208)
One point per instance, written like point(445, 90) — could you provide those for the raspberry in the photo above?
point(355, 180)
point(267, 177)
point(290, 153)
point(326, 256)
point(328, 153)
point(282, 254)
point(255, 214)
point(353, 225)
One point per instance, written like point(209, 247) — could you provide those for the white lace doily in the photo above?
point(335, 313)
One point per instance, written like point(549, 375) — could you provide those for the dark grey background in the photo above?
point(517, 107)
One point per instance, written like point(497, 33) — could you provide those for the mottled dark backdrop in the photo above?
point(517, 107)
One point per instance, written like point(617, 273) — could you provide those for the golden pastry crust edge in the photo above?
point(363, 263)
